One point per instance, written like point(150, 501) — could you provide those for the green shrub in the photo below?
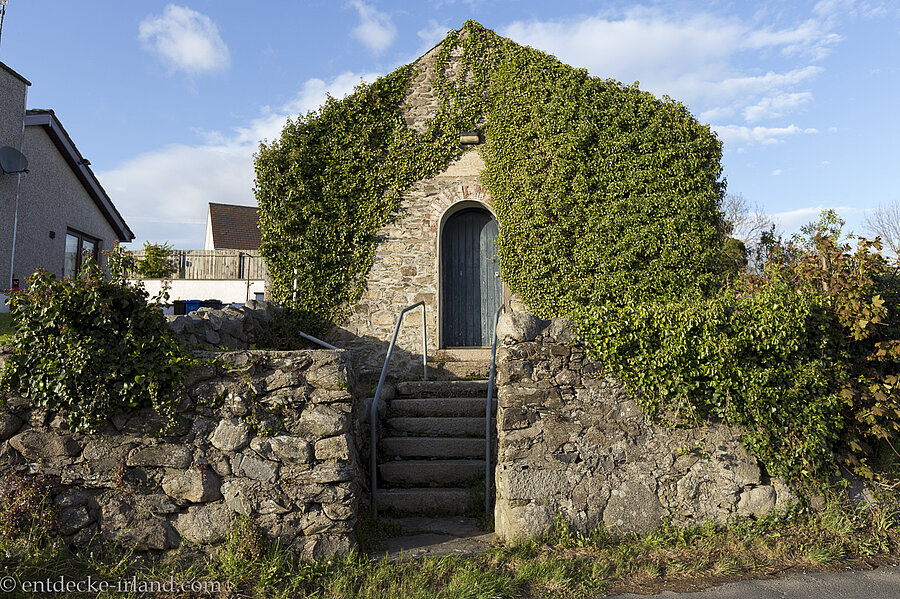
point(805, 358)
point(156, 263)
point(91, 346)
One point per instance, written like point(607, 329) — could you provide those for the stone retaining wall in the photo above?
point(230, 328)
point(263, 434)
point(572, 442)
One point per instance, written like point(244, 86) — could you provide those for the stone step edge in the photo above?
point(433, 500)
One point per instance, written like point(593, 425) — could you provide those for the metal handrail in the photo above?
point(314, 340)
point(487, 419)
point(373, 412)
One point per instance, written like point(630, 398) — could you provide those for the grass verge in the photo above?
point(6, 328)
point(565, 565)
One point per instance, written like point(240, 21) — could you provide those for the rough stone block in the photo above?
point(533, 483)
point(333, 448)
point(633, 507)
point(204, 524)
point(9, 424)
point(73, 519)
point(282, 448)
point(195, 485)
point(134, 528)
point(757, 501)
point(252, 467)
point(167, 455)
point(230, 435)
point(519, 523)
point(237, 404)
point(34, 445)
point(519, 326)
point(321, 421)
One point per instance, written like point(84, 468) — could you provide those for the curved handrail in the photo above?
point(487, 418)
point(373, 412)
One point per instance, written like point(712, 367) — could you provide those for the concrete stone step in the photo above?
point(425, 501)
point(432, 447)
point(424, 473)
point(475, 388)
point(440, 406)
point(462, 354)
point(435, 427)
point(448, 371)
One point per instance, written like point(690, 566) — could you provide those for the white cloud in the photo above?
point(186, 40)
point(776, 172)
point(737, 134)
point(163, 194)
point(791, 220)
point(712, 63)
point(776, 106)
point(376, 31)
point(432, 34)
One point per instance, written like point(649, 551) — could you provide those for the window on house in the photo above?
point(79, 248)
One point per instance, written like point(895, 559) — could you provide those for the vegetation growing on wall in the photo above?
point(90, 347)
point(609, 205)
point(568, 158)
point(803, 356)
point(331, 180)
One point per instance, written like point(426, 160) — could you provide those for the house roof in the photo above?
point(234, 227)
point(51, 124)
point(14, 74)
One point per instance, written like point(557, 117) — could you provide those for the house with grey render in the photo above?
point(54, 213)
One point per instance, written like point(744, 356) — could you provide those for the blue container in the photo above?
point(191, 306)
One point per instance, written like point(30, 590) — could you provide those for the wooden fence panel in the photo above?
point(222, 265)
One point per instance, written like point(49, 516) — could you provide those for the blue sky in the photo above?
point(169, 101)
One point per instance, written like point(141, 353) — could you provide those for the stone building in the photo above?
point(441, 250)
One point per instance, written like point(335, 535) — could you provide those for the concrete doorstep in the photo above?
point(433, 537)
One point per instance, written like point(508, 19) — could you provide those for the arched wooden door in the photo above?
point(470, 279)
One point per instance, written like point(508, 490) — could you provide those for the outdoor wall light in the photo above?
point(470, 137)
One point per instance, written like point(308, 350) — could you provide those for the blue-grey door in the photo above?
point(470, 281)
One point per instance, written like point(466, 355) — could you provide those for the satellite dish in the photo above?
point(12, 161)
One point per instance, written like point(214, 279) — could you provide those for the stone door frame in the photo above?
point(458, 206)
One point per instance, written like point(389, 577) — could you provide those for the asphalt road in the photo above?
point(881, 583)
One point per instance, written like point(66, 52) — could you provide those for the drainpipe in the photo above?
point(12, 258)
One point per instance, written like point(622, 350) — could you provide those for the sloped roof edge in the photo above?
point(14, 74)
point(66, 147)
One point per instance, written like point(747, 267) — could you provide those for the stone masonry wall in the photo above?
point(231, 327)
point(572, 442)
point(405, 268)
point(263, 434)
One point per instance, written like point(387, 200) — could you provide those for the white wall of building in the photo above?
point(229, 292)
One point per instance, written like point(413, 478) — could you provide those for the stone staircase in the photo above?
point(431, 455)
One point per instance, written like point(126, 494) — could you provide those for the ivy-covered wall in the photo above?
point(601, 190)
